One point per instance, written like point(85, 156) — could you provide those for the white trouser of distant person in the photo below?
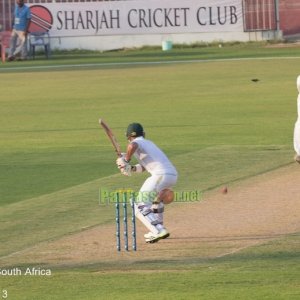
point(297, 124)
point(18, 43)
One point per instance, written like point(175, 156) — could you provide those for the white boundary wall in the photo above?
point(127, 24)
point(106, 43)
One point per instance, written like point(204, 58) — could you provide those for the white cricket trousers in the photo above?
point(149, 190)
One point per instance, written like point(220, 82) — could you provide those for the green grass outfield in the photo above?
point(214, 122)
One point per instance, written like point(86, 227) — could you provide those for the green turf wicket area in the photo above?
point(215, 123)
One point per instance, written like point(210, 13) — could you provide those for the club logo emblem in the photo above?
point(41, 19)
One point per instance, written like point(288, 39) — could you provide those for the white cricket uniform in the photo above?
point(152, 158)
point(297, 124)
point(163, 175)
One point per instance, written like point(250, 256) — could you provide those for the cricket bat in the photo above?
point(111, 137)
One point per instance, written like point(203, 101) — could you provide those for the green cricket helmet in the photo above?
point(134, 130)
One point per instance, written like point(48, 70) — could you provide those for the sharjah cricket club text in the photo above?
point(142, 18)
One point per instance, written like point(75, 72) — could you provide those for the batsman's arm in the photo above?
point(137, 168)
point(131, 148)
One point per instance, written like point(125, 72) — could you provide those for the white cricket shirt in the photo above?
point(152, 158)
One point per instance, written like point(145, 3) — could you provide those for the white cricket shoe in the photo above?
point(151, 237)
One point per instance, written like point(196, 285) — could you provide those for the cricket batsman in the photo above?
point(156, 190)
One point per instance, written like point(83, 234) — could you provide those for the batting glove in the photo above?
point(124, 166)
point(126, 170)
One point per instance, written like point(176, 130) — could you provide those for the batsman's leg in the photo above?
point(158, 210)
point(144, 213)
